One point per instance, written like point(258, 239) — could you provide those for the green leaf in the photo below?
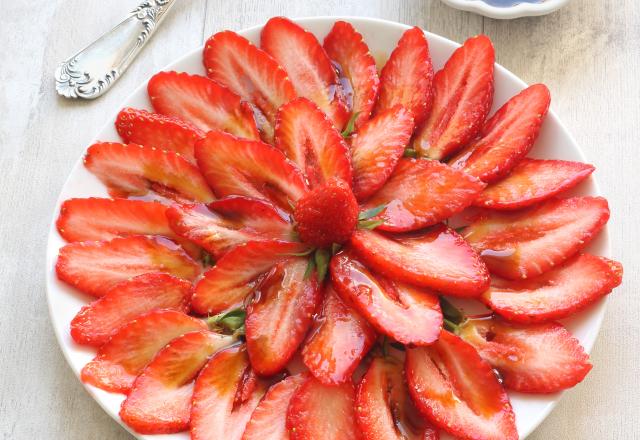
point(311, 265)
point(450, 326)
point(207, 259)
point(299, 254)
point(410, 152)
point(369, 224)
point(322, 258)
point(231, 321)
point(351, 125)
point(450, 312)
point(335, 248)
point(370, 213)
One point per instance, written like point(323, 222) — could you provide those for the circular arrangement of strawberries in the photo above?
point(275, 259)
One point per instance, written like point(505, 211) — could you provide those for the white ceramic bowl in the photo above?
point(516, 11)
point(554, 142)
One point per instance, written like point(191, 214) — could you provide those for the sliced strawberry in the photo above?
point(96, 323)
point(234, 62)
point(202, 102)
point(280, 315)
point(507, 137)
point(463, 93)
point(227, 284)
point(458, 392)
point(407, 76)
point(556, 294)
point(235, 166)
point(421, 193)
point(410, 315)
point(437, 259)
point(269, 419)
point(346, 47)
point(308, 138)
point(133, 170)
point(337, 342)
point(320, 411)
point(307, 65)
point(225, 395)
point(539, 358)
point(376, 149)
point(125, 355)
point(533, 181)
point(158, 131)
point(384, 408)
point(524, 244)
point(160, 399)
point(94, 267)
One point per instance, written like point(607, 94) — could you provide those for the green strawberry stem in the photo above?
point(453, 317)
point(228, 322)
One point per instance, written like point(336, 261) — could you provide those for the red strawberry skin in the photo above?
point(559, 293)
point(407, 76)
point(463, 93)
point(346, 47)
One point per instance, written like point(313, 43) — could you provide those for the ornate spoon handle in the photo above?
point(92, 71)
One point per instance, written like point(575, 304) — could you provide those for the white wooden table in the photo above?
point(588, 54)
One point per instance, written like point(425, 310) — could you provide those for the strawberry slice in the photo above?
point(318, 411)
point(269, 419)
point(507, 137)
point(227, 284)
point(225, 395)
point(158, 131)
point(94, 267)
point(234, 62)
point(407, 76)
point(384, 409)
point(307, 65)
point(556, 294)
point(235, 166)
point(337, 342)
point(463, 93)
point(376, 149)
point(308, 138)
point(125, 355)
point(524, 244)
point(160, 399)
point(410, 315)
point(96, 323)
point(421, 193)
point(533, 181)
point(280, 315)
point(437, 259)
point(133, 170)
point(458, 392)
point(346, 48)
point(202, 102)
point(539, 358)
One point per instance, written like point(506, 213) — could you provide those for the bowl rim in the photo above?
point(501, 13)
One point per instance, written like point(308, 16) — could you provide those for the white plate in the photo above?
point(381, 36)
point(515, 11)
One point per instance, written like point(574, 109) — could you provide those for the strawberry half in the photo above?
point(337, 342)
point(280, 315)
point(308, 138)
point(160, 399)
point(158, 131)
point(235, 166)
point(407, 76)
point(507, 137)
point(225, 395)
point(96, 323)
point(463, 93)
point(532, 181)
point(438, 259)
point(527, 243)
point(133, 170)
point(409, 315)
point(421, 193)
point(458, 391)
point(318, 411)
point(125, 355)
point(556, 294)
point(346, 48)
point(233, 278)
point(307, 65)
point(202, 102)
point(377, 147)
point(234, 62)
point(94, 267)
point(539, 358)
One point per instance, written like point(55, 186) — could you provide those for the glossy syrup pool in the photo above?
point(508, 3)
